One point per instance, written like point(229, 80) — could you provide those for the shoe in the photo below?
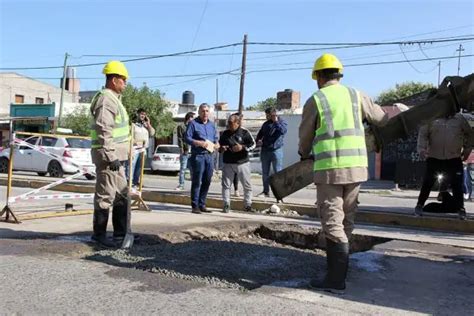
point(205, 210)
point(226, 208)
point(195, 210)
point(466, 196)
point(263, 194)
point(418, 210)
point(236, 193)
point(249, 209)
point(337, 258)
point(103, 241)
point(179, 188)
point(462, 214)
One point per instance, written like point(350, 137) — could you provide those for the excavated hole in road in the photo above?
point(242, 256)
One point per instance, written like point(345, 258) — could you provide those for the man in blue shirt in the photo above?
point(202, 136)
point(270, 137)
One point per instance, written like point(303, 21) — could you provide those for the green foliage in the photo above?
point(133, 98)
point(262, 105)
point(78, 121)
point(156, 107)
point(402, 90)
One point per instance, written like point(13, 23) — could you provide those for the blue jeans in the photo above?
point(202, 167)
point(136, 165)
point(183, 165)
point(467, 184)
point(270, 157)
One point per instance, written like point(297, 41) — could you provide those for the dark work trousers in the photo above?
point(202, 170)
point(452, 174)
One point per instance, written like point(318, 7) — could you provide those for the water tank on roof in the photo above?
point(188, 97)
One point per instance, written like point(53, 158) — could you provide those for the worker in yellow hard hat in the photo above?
point(331, 132)
point(110, 135)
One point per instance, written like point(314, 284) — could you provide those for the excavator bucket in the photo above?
point(453, 94)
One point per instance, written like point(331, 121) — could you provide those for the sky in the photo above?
point(39, 33)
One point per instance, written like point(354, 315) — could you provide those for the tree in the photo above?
point(153, 103)
point(402, 90)
point(262, 105)
point(132, 98)
point(78, 121)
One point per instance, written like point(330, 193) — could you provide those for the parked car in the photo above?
point(26, 159)
point(166, 158)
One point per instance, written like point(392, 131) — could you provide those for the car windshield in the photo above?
point(167, 150)
point(78, 142)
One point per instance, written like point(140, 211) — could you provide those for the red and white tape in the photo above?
point(58, 196)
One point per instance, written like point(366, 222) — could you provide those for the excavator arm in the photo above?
point(453, 94)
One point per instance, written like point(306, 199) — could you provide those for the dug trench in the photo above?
point(242, 256)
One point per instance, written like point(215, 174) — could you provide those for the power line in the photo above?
point(364, 64)
point(334, 46)
point(125, 60)
point(421, 41)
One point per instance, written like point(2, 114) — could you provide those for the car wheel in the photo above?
point(42, 174)
point(55, 169)
point(89, 176)
point(3, 165)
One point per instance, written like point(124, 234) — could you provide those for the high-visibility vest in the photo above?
point(121, 131)
point(339, 141)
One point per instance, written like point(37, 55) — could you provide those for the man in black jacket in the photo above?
point(235, 143)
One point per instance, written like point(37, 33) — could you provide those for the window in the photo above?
point(167, 150)
point(78, 142)
point(19, 98)
point(39, 100)
point(48, 141)
point(31, 141)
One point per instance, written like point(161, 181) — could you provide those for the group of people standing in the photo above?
point(331, 133)
point(199, 141)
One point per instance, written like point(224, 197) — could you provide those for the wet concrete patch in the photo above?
point(240, 256)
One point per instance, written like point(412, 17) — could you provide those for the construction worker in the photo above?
point(110, 135)
point(331, 131)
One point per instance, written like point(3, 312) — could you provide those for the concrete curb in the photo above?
point(368, 217)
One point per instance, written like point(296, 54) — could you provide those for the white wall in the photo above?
point(13, 83)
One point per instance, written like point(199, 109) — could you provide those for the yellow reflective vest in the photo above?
point(121, 131)
point(339, 140)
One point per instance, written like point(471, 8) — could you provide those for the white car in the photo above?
point(26, 159)
point(166, 158)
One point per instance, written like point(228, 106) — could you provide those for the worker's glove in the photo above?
point(115, 165)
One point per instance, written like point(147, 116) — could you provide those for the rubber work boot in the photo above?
point(121, 220)
point(99, 223)
point(419, 210)
point(337, 257)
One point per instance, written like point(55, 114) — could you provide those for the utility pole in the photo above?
point(460, 49)
point(217, 90)
point(63, 87)
point(242, 76)
point(439, 72)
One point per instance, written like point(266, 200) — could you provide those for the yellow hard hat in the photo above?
point(326, 61)
point(115, 67)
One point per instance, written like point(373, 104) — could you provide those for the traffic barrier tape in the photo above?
point(43, 188)
point(55, 135)
point(59, 196)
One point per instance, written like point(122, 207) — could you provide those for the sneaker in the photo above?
point(419, 210)
point(466, 196)
point(462, 214)
point(249, 209)
point(103, 241)
point(195, 210)
point(236, 193)
point(226, 208)
point(179, 188)
point(263, 194)
point(205, 210)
